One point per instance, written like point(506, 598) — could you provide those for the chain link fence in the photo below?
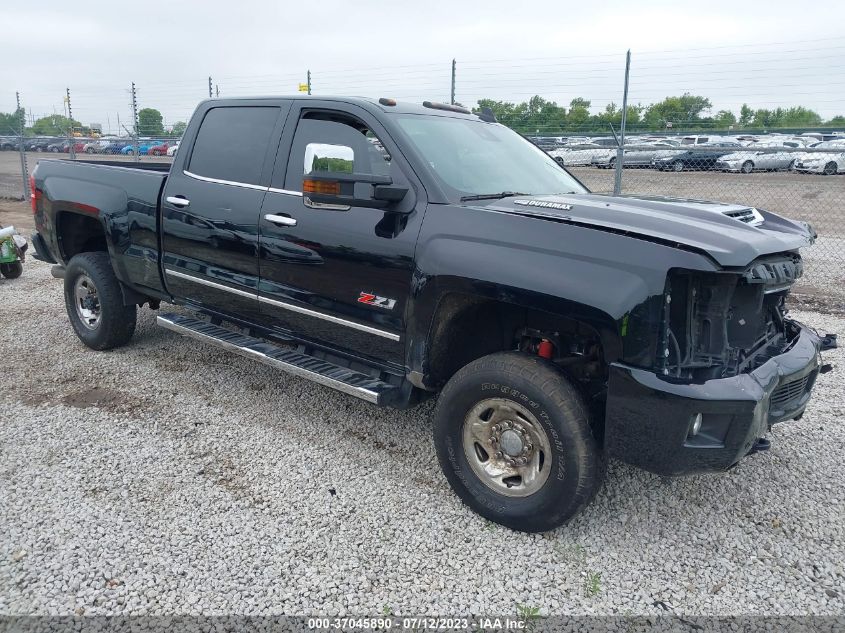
point(798, 172)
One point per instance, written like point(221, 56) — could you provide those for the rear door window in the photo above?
point(232, 143)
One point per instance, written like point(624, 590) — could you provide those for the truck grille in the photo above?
point(789, 393)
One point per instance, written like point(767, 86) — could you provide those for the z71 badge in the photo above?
point(375, 300)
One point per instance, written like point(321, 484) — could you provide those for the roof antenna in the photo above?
point(487, 114)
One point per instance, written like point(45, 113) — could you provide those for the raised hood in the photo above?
point(694, 224)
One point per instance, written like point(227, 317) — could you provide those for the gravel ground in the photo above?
point(170, 477)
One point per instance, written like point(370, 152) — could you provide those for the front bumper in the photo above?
point(814, 168)
point(728, 166)
point(649, 419)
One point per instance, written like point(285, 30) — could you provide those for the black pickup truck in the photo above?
point(395, 251)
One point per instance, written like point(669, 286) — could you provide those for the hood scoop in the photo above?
point(750, 216)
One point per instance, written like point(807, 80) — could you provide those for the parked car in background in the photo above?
point(641, 156)
point(144, 146)
point(760, 157)
point(111, 146)
point(580, 154)
point(159, 149)
point(64, 147)
point(171, 151)
point(37, 144)
point(91, 147)
point(704, 158)
point(9, 144)
point(822, 162)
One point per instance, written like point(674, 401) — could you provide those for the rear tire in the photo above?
point(94, 302)
point(528, 398)
point(12, 270)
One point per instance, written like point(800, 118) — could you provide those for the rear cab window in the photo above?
point(232, 143)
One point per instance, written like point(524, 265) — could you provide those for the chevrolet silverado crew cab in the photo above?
point(395, 251)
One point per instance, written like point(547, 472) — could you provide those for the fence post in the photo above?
point(72, 148)
point(620, 151)
point(452, 92)
point(24, 171)
point(210, 95)
point(309, 82)
point(137, 151)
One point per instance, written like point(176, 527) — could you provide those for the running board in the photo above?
point(346, 380)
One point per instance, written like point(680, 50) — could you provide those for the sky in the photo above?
point(765, 54)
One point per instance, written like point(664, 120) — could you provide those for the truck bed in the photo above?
point(90, 196)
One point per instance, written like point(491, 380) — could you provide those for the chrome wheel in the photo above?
point(87, 302)
point(506, 447)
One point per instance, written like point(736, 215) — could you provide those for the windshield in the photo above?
point(477, 158)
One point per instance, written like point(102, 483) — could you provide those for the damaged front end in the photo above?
point(722, 324)
point(728, 364)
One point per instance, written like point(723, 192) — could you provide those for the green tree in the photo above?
point(150, 122)
point(612, 115)
point(178, 128)
point(54, 125)
point(683, 111)
point(578, 117)
point(10, 122)
point(746, 115)
point(724, 119)
point(837, 121)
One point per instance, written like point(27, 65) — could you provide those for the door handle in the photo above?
point(282, 220)
point(178, 201)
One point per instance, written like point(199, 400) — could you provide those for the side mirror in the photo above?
point(336, 190)
point(330, 181)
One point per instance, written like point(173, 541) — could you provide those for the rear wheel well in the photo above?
point(79, 233)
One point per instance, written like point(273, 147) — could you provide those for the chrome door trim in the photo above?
point(233, 183)
point(286, 306)
point(327, 317)
point(287, 192)
point(210, 284)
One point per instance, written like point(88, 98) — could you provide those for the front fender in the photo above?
point(610, 281)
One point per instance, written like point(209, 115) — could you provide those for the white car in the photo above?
point(580, 154)
point(171, 151)
point(827, 163)
point(761, 157)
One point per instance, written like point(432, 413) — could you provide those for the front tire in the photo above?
point(678, 165)
point(747, 167)
point(12, 270)
point(94, 302)
point(830, 169)
point(513, 438)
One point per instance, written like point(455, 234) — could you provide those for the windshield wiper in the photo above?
point(494, 196)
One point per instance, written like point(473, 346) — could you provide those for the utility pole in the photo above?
point(22, 117)
point(620, 151)
point(72, 148)
point(137, 152)
point(209, 88)
point(309, 82)
point(452, 93)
